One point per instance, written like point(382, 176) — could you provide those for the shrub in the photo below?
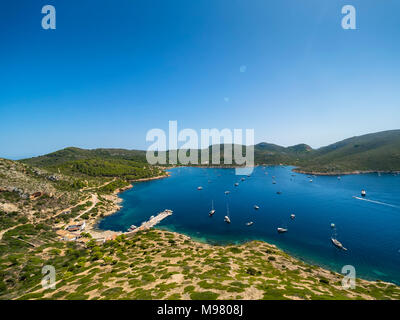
point(253, 272)
point(205, 295)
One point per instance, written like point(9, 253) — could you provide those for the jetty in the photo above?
point(154, 220)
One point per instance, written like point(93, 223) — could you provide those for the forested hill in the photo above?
point(70, 154)
point(121, 163)
point(371, 152)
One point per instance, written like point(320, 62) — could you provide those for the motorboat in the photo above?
point(131, 228)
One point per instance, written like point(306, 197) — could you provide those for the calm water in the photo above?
point(369, 230)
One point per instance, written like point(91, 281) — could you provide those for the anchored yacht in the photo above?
point(226, 218)
point(212, 211)
point(338, 244)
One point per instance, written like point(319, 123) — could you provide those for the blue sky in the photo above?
point(112, 70)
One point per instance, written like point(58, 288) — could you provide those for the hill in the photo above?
point(121, 163)
point(72, 153)
point(371, 152)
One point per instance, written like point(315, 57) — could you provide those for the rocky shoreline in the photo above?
point(92, 225)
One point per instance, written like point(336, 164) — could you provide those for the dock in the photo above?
point(152, 222)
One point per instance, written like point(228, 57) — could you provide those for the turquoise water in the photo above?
point(369, 229)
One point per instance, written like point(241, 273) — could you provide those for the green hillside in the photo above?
point(372, 152)
point(121, 163)
point(71, 154)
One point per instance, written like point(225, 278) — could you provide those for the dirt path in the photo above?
point(94, 201)
point(70, 208)
point(101, 186)
point(2, 232)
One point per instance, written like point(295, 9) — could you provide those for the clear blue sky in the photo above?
point(112, 70)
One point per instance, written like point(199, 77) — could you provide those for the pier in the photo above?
point(152, 222)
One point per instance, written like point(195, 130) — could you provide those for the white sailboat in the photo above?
point(212, 209)
point(226, 218)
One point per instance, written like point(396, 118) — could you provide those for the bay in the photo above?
point(368, 227)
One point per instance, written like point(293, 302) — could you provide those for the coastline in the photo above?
point(342, 173)
point(295, 169)
point(166, 175)
point(115, 206)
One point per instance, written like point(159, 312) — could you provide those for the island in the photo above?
point(50, 207)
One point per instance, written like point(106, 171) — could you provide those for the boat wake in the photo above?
point(377, 202)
